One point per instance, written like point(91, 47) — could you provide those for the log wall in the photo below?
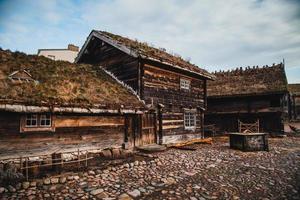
point(163, 87)
point(124, 67)
point(101, 131)
point(225, 112)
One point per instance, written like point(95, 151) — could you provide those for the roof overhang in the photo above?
point(247, 95)
point(19, 108)
point(131, 52)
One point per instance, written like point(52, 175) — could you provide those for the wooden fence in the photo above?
point(50, 160)
point(248, 127)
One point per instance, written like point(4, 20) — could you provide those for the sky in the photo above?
point(213, 34)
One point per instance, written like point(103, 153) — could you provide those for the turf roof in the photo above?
point(60, 83)
point(159, 54)
point(249, 81)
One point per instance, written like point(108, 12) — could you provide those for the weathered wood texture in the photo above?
point(269, 122)
point(249, 142)
point(105, 131)
point(163, 87)
point(144, 129)
point(124, 67)
point(270, 110)
point(156, 83)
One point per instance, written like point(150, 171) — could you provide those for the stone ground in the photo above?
point(210, 172)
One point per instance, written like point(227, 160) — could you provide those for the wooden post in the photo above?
point(140, 129)
point(62, 163)
point(155, 126)
point(160, 130)
point(86, 159)
point(202, 124)
point(126, 129)
point(205, 94)
point(78, 158)
point(21, 164)
point(26, 166)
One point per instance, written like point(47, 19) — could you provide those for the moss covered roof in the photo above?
point(294, 88)
point(249, 81)
point(159, 54)
point(60, 83)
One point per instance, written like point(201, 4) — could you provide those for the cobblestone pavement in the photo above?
point(210, 172)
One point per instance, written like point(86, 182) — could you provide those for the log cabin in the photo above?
point(51, 105)
point(175, 88)
point(294, 91)
point(257, 94)
point(293, 125)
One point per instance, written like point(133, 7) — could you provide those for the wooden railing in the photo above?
point(46, 160)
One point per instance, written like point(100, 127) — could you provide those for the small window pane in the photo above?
point(185, 84)
point(31, 120)
point(190, 119)
point(45, 120)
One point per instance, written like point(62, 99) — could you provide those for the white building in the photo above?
point(68, 54)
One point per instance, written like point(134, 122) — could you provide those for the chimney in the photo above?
point(72, 47)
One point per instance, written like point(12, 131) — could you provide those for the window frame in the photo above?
point(185, 84)
point(189, 116)
point(45, 119)
point(39, 117)
point(31, 119)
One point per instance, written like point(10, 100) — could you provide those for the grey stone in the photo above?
point(2, 190)
point(47, 181)
point(11, 188)
point(102, 195)
point(62, 179)
point(96, 191)
point(25, 185)
point(33, 184)
point(134, 193)
point(52, 188)
point(18, 186)
point(91, 172)
point(124, 196)
point(54, 180)
point(46, 195)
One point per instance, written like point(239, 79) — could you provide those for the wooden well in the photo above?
point(249, 141)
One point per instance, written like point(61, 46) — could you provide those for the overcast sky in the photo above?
point(214, 34)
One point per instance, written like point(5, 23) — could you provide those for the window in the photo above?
point(36, 122)
point(185, 84)
point(190, 119)
point(45, 120)
point(31, 120)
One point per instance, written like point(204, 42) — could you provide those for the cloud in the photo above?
point(214, 34)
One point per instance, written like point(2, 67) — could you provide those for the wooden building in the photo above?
point(293, 125)
point(249, 95)
point(294, 90)
point(51, 105)
point(171, 85)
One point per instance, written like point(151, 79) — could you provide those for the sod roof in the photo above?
point(60, 83)
point(146, 51)
point(249, 81)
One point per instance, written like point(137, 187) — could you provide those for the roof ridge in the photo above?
point(248, 69)
point(160, 54)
